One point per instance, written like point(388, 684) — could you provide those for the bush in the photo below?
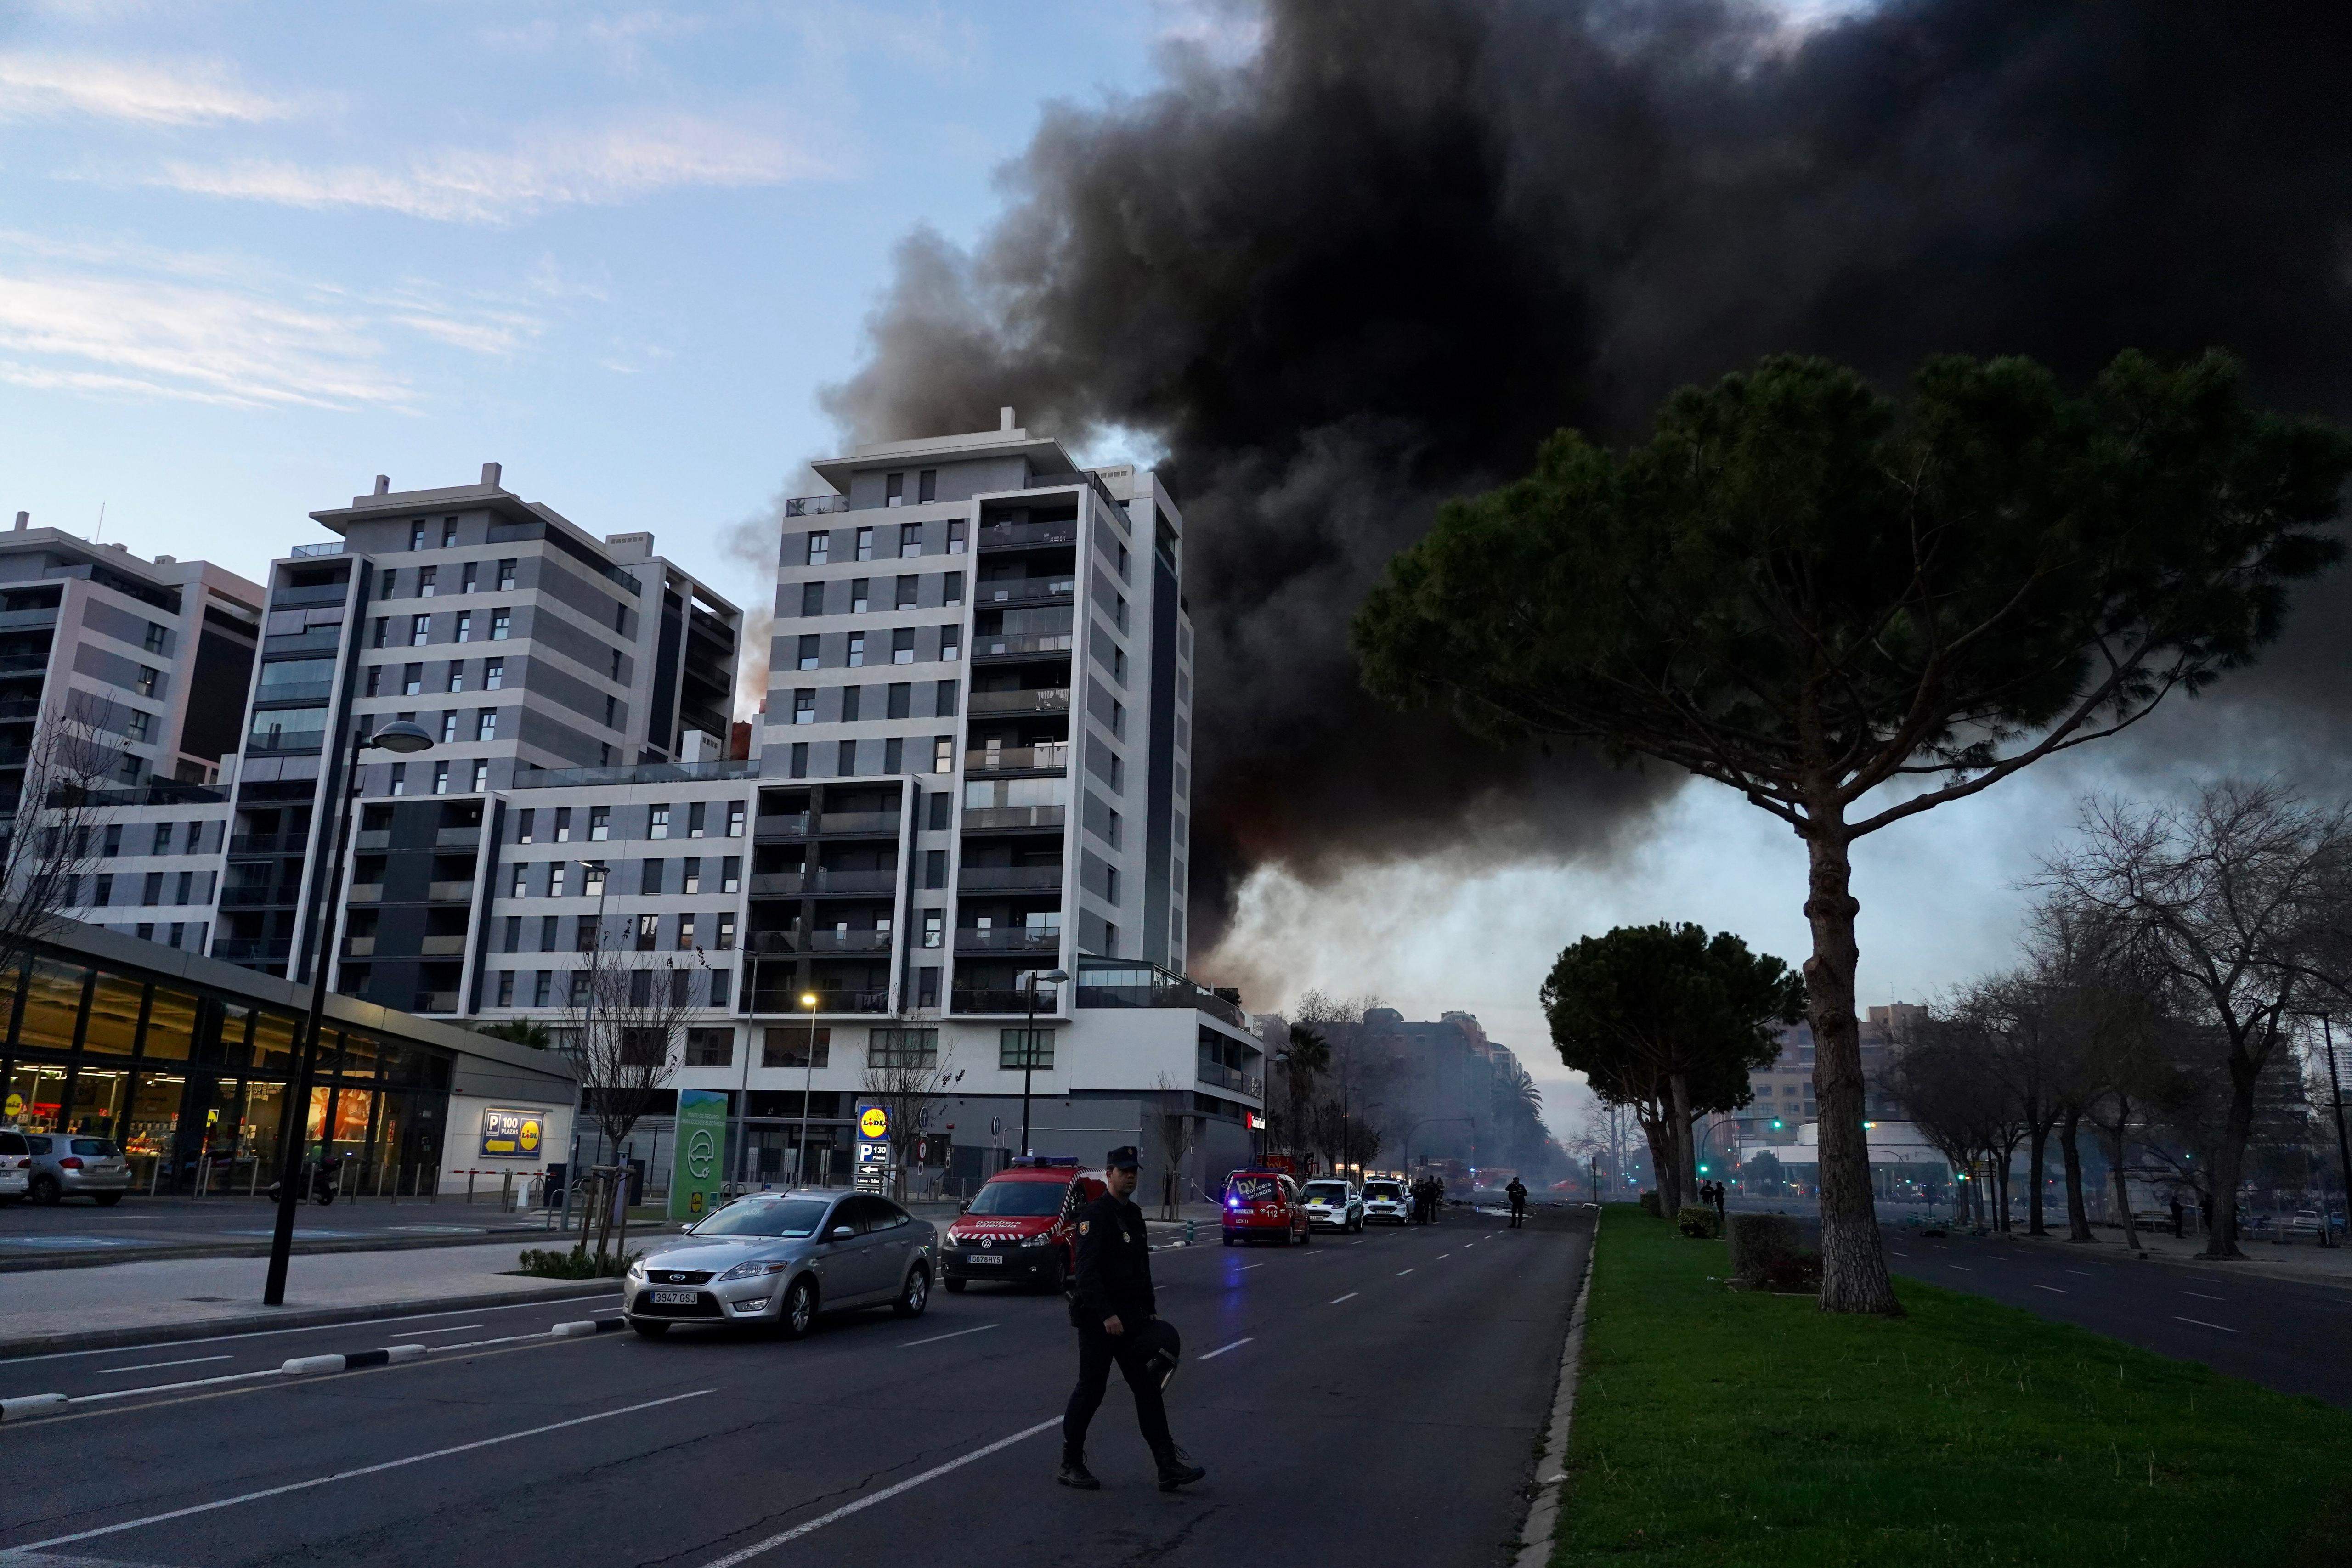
point(578, 1263)
point(1698, 1223)
point(1650, 1206)
point(1763, 1243)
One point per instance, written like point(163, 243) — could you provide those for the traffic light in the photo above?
point(1702, 1169)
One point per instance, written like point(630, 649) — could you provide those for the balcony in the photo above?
point(277, 742)
point(815, 506)
point(434, 1002)
point(1008, 879)
point(451, 945)
point(1057, 700)
point(1009, 939)
point(24, 664)
point(449, 893)
point(372, 839)
point(825, 942)
point(1015, 1001)
point(643, 773)
point(306, 598)
point(777, 1000)
point(305, 694)
point(252, 949)
point(1001, 645)
point(1053, 758)
point(330, 547)
point(999, 818)
point(253, 897)
point(771, 942)
point(1027, 535)
point(325, 640)
point(364, 892)
point(769, 830)
point(23, 620)
point(458, 838)
point(1217, 1075)
point(359, 947)
point(1138, 985)
point(1017, 593)
point(794, 884)
point(868, 822)
point(275, 843)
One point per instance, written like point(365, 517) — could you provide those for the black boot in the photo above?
point(1075, 1472)
point(1177, 1470)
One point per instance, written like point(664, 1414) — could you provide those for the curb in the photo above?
point(1543, 1509)
point(305, 1318)
point(30, 1405)
point(35, 1263)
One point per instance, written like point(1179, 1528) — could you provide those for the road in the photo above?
point(1323, 1388)
point(2283, 1334)
point(140, 1226)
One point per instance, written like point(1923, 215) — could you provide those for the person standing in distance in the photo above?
point(1110, 1305)
point(1517, 1193)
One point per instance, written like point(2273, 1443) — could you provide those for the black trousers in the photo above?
point(1096, 1352)
point(1518, 1213)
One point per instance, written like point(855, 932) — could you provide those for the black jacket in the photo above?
point(1114, 1265)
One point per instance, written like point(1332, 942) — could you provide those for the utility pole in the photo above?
point(2343, 1144)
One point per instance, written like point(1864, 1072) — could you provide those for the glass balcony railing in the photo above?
point(1057, 700)
point(1008, 878)
point(1054, 758)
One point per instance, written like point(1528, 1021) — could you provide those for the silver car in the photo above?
point(75, 1165)
point(16, 1164)
point(779, 1258)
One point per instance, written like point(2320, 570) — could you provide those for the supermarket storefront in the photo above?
point(188, 1064)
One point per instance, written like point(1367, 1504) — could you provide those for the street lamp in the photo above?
point(808, 1087)
point(401, 738)
point(1029, 1050)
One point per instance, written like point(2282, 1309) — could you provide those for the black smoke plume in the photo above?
point(1373, 263)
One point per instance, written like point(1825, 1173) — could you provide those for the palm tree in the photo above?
point(521, 1031)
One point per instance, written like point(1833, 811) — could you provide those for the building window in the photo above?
point(865, 544)
point(428, 581)
point(859, 595)
point(726, 941)
point(140, 724)
point(901, 700)
point(820, 548)
point(1118, 666)
point(579, 988)
point(154, 644)
point(416, 534)
point(650, 878)
point(694, 819)
point(514, 934)
point(810, 656)
point(734, 819)
point(420, 631)
point(894, 488)
point(800, 760)
point(926, 486)
point(849, 701)
point(811, 599)
point(902, 1048)
point(440, 779)
point(857, 649)
point(449, 728)
point(690, 876)
point(548, 936)
point(719, 978)
point(468, 581)
point(412, 680)
point(934, 928)
point(502, 624)
point(585, 935)
point(894, 756)
point(952, 592)
point(482, 778)
point(456, 674)
point(730, 874)
point(611, 711)
point(555, 870)
point(910, 585)
point(943, 705)
point(187, 891)
point(485, 724)
point(563, 825)
point(105, 893)
point(399, 778)
point(383, 629)
point(145, 682)
point(522, 884)
point(902, 646)
point(793, 1045)
point(1020, 1048)
point(600, 823)
point(955, 537)
point(658, 822)
point(709, 1048)
point(542, 988)
point(505, 576)
point(374, 677)
point(927, 985)
point(943, 754)
point(847, 767)
point(942, 805)
point(464, 626)
point(391, 587)
point(448, 533)
point(1119, 718)
point(648, 932)
point(935, 869)
point(506, 988)
point(591, 878)
point(494, 674)
point(685, 933)
point(804, 705)
point(911, 541)
point(950, 643)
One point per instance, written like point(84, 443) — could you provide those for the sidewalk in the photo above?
point(2303, 1259)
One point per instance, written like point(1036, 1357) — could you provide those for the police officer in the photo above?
point(1518, 1192)
point(1111, 1305)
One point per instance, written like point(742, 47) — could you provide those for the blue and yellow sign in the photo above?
point(511, 1135)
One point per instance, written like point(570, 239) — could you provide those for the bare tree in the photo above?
point(46, 854)
point(906, 1073)
point(1177, 1125)
point(622, 1024)
point(2227, 898)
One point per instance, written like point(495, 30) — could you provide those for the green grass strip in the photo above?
point(1732, 1429)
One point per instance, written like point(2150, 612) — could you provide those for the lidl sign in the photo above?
point(872, 1124)
point(511, 1135)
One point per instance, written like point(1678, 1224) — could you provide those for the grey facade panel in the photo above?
point(1162, 782)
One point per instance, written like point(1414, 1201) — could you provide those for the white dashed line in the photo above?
point(2084, 1272)
point(1222, 1348)
point(1248, 1267)
point(937, 1337)
point(1348, 1297)
point(2202, 1324)
point(1441, 1256)
point(2053, 1290)
point(2203, 1297)
point(158, 1365)
point(1401, 1273)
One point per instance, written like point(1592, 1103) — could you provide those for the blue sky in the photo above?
point(252, 254)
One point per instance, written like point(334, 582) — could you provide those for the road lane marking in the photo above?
point(2203, 1297)
point(1441, 1256)
point(1899, 1254)
point(2084, 1272)
point(1248, 1267)
point(937, 1337)
point(885, 1495)
point(1222, 1348)
point(158, 1365)
point(353, 1474)
point(459, 1328)
point(171, 1388)
point(2202, 1324)
point(1401, 1273)
point(1348, 1297)
point(311, 1328)
point(1963, 1268)
point(2053, 1290)
point(1359, 1243)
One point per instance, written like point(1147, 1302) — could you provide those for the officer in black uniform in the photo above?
point(1517, 1193)
point(1111, 1303)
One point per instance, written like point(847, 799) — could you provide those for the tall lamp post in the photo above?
point(2343, 1144)
point(404, 740)
point(808, 1088)
point(1029, 1049)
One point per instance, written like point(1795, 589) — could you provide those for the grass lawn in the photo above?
point(1727, 1428)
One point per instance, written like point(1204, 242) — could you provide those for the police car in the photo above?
point(1387, 1202)
point(1332, 1205)
point(1020, 1229)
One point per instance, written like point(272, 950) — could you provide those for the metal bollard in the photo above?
point(506, 1192)
point(469, 1185)
point(1188, 1232)
point(155, 1180)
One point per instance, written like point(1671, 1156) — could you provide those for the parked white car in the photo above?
point(16, 1164)
point(1387, 1202)
point(1332, 1205)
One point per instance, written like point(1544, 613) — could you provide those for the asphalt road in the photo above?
point(2283, 1334)
point(140, 1225)
point(1324, 1388)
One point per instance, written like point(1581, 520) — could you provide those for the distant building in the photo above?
point(1784, 1098)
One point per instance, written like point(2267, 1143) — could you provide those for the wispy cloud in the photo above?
point(112, 317)
point(177, 92)
point(550, 169)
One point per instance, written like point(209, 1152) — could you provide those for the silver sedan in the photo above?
point(779, 1258)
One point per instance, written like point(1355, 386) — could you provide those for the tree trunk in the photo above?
point(1853, 1266)
point(2229, 1160)
point(2115, 1165)
point(2000, 1193)
point(1662, 1163)
point(2037, 1173)
point(1685, 1143)
point(2078, 1219)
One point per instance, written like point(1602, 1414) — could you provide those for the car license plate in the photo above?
point(673, 1298)
point(988, 1260)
